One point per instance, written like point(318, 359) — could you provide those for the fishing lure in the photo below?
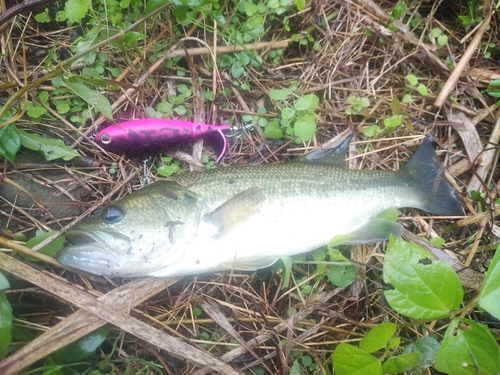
point(143, 136)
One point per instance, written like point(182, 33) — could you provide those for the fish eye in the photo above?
point(105, 138)
point(111, 215)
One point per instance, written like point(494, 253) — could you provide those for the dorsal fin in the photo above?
point(332, 156)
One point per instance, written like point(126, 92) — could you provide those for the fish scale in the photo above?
point(246, 217)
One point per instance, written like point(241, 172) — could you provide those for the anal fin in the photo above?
point(376, 230)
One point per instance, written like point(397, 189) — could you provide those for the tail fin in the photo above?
point(425, 170)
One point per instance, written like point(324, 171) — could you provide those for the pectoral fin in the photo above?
point(236, 210)
point(376, 230)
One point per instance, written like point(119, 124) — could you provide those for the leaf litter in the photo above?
point(249, 323)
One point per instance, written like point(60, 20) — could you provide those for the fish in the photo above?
point(143, 136)
point(246, 217)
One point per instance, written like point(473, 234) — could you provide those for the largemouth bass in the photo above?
point(247, 217)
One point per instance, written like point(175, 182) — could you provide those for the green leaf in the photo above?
point(10, 142)
point(341, 275)
point(285, 275)
point(152, 5)
point(50, 249)
point(132, 37)
point(81, 349)
point(393, 121)
point(273, 130)
point(412, 79)
point(372, 131)
point(5, 325)
point(4, 283)
point(427, 348)
point(407, 98)
point(237, 69)
point(287, 113)
point(435, 32)
point(400, 363)
point(300, 4)
point(280, 94)
point(468, 348)
point(50, 148)
point(391, 214)
point(442, 40)
point(399, 10)
point(349, 360)
point(84, 44)
point(93, 97)
point(305, 127)
point(43, 17)
point(422, 90)
point(308, 102)
point(421, 290)
point(76, 9)
point(378, 337)
point(489, 297)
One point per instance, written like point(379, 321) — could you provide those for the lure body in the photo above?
point(143, 136)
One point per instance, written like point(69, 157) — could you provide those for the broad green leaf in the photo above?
point(9, 142)
point(35, 111)
point(308, 102)
point(50, 249)
point(300, 4)
point(152, 5)
point(349, 360)
point(442, 40)
point(81, 349)
point(489, 297)
point(468, 348)
point(84, 44)
point(400, 363)
point(341, 275)
point(280, 94)
point(393, 121)
point(5, 325)
point(378, 337)
point(422, 90)
point(76, 9)
point(396, 106)
point(93, 97)
point(412, 79)
point(421, 290)
point(273, 131)
point(407, 98)
point(435, 32)
point(372, 131)
point(287, 113)
point(50, 148)
point(427, 348)
point(305, 127)
point(132, 37)
point(237, 69)
point(4, 283)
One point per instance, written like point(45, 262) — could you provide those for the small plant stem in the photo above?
point(67, 63)
point(460, 67)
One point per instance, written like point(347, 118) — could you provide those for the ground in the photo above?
point(304, 75)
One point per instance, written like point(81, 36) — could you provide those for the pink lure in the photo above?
point(144, 136)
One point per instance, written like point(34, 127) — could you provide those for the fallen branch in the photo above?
point(123, 321)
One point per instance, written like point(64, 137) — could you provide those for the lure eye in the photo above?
point(105, 138)
point(112, 215)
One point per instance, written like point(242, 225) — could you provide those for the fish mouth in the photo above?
point(96, 250)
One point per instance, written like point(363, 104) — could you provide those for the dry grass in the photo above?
point(249, 320)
